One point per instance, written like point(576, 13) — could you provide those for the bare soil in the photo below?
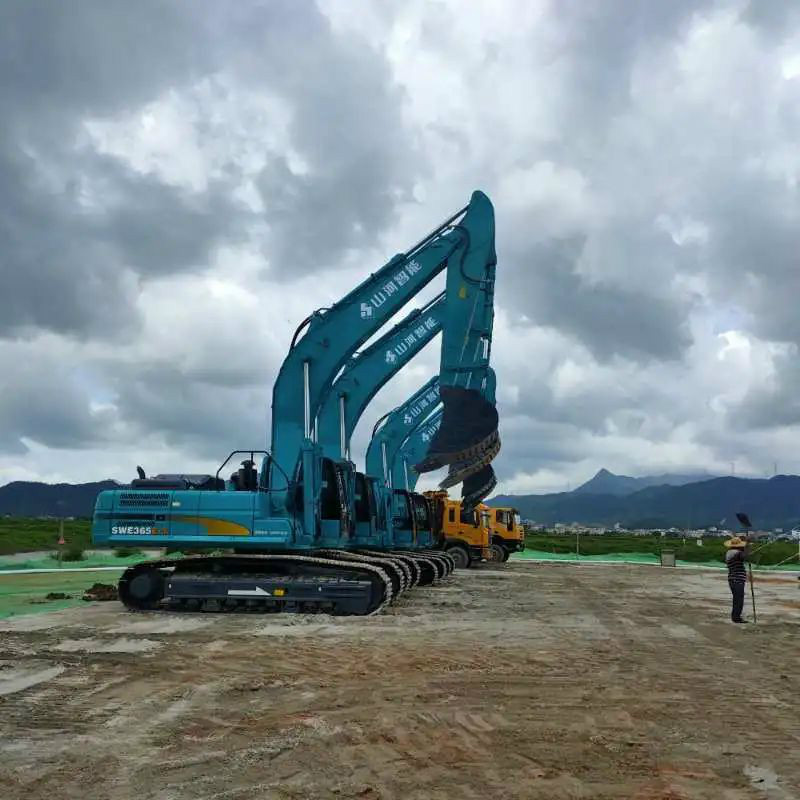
point(522, 681)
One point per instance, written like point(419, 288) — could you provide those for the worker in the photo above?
point(735, 559)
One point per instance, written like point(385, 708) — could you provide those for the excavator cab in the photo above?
point(335, 520)
point(369, 522)
point(403, 515)
point(423, 520)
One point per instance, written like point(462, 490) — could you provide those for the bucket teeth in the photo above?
point(461, 470)
point(477, 486)
point(468, 429)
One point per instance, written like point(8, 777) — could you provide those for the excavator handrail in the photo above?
point(252, 453)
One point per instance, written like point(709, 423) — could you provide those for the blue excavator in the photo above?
point(290, 528)
point(413, 450)
point(376, 525)
point(402, 437)
point(404, 442)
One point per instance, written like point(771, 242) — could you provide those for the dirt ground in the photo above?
point(523, 681)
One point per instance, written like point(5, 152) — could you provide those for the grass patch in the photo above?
point(24, 535)
point(28, 594)
point(73, 554)
point(68, 554)
point(127, 552)
point(710, 550)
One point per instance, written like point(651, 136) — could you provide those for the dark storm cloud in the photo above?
point(609, 320)
point(40, 400)
point(776, 18)
point(774, 404)
point(630, 124)
point(208, 419)
point(755, 245)
point(63, 264)
point(64, 260)
point(347, 127)
point(603, 41)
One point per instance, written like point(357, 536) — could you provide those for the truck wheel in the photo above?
point(460, 555)
point(499, 553)
point(506, 555)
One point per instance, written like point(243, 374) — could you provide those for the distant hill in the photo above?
point(28, 499)
point(605, 482)
point(773, 503)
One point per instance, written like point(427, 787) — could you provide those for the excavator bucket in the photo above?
point(468, 431)
point(477, 486)
point(461, 470)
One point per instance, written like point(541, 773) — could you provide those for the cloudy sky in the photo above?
point(181, 183)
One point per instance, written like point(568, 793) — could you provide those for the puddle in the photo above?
point(678, 631)
point(304, 630)
point(40, 622)
point(173, 624)
point(17, 680)
point(766, 781)
point(107, 646)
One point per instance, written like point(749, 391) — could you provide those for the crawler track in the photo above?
point(336, 582)
point(259, 583)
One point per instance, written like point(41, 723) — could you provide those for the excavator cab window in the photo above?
point(362, 499)
point(263, 475)
point(422, 516)
point(451, 514)
point(330, 502)
point(378, 508)
point(401, 513)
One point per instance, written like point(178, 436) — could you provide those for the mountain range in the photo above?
point(605, 482)
point(771, 503)
point(30, 499)
point(649, 502)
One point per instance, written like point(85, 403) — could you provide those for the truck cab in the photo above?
point(464, 534)
point(507, 534)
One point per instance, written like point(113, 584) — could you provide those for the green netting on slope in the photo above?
point(25, 594)
point(633, 558)
point(93, 560)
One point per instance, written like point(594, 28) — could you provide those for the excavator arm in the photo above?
point(392, 429)
point(467, 438)
point(463, 244)
point(367, 372)
point(476, 486)
point(413, 450)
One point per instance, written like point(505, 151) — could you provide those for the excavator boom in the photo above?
point(368, 371)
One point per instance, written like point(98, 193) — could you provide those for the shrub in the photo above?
point(127, 552)
point(73, 553)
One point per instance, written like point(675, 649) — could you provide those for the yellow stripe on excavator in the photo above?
point(217, 527)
